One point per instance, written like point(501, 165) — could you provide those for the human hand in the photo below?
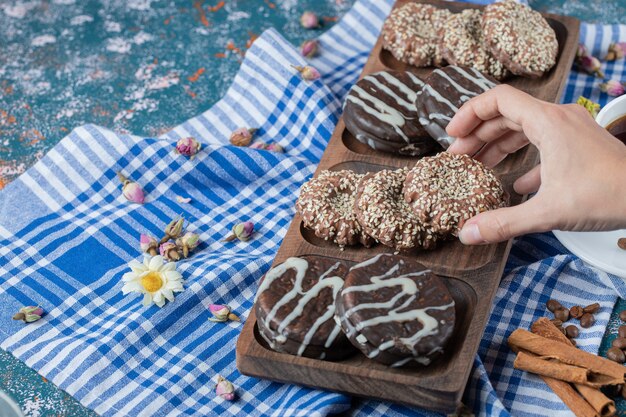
point(580, 183)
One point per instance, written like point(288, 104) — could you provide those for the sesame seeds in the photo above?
point(411, 33)
point(446, 190)
point(520, 38)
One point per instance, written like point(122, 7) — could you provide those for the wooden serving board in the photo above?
point(472, 274)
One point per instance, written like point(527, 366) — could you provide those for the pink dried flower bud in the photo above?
point(131, 190)
point(309, 20)
point(591, 65)
point(188, 242)
point(221, 313)
point(148, 244)
point(242, 136)
point(225, 389)
point(258, 145)
point(308, 73)
point(309, 48)
point(613, 88)
point(617, 50)
point(275, 147)
point(242, 231)
point(29, 314)
point(188, 146)
point(169, 251)
point(174, 229)
point(582, 51)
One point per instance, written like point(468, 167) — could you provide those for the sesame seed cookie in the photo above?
point(384, 215)
point(411, 34)
point(445, 91)
point(380, 112)
point(326, 205)
point(520, 38)
point(462, 44)
point(445, 190)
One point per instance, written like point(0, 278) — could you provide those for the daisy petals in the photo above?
point(156, 262)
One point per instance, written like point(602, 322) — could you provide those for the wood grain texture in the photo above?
point(471, 273)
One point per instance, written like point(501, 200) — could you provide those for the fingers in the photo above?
point(516, 107)
point(506, 223)
point(528, 183)
point(494, 152)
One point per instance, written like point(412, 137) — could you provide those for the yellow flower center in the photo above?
point(152, 281)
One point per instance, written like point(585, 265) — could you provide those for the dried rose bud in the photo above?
point(188, 242)
point(308, 73)
point(617, 50)
point(590, 106)
point(222, 313)
point(188, 146)
point(309, 48)
point(225, 389)
point(612, 88)
point(169, 251)
point(582, 51)
point(309, 20)
point(241, 231)
point(131, 190)
point(258, 145)
point(29, 314)
point(591, 65)
point(148, 244)
point(242, 136)
point(275, 147)
point(174, 229)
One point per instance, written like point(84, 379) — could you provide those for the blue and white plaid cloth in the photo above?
point(67, 234)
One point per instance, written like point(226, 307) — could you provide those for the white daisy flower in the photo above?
point(154, 279)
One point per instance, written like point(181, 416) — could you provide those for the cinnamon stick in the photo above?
point(603, 405)
point(545, 328)
point(524, 340)
point(570, 397)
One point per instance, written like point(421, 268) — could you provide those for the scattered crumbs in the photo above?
point(43, 40)
point(193, 78)
point(217, 6)
point(181, 199)
point(197, 4)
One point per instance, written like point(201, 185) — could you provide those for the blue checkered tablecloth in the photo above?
point(67, 234)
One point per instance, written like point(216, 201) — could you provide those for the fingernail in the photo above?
point(470, 235)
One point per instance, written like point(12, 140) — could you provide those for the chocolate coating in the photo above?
point(395, 310)
point(295, 308)
point(380, 112)
point(444, 92)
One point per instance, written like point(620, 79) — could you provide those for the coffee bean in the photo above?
point(616, 355)
point(587, 320)
point(619, 343)
point(553, 305)
point(576, 312)
point(571, 331)
point(621, 242)
point(561, 314)
point(621, 332)
point(622, 315)
point(592, 308)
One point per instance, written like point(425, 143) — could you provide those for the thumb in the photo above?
point(505, 223)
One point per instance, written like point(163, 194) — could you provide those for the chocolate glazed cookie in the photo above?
point(295, 305)
point(380, 112)
point(395, 310)
point(444, 92)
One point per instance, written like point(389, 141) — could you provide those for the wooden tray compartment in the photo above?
point(471, 273)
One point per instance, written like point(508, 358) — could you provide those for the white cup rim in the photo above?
point(608, 114)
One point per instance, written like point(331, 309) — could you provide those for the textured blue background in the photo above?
point(140, 66)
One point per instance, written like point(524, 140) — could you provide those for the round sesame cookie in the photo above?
point(520, 38)
point(444, 92)
point(462, 44)
point(411, 33)
point(445, 190)
point(385, 216)
point(326, 205)
point(396, 311)
point(380, 112)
